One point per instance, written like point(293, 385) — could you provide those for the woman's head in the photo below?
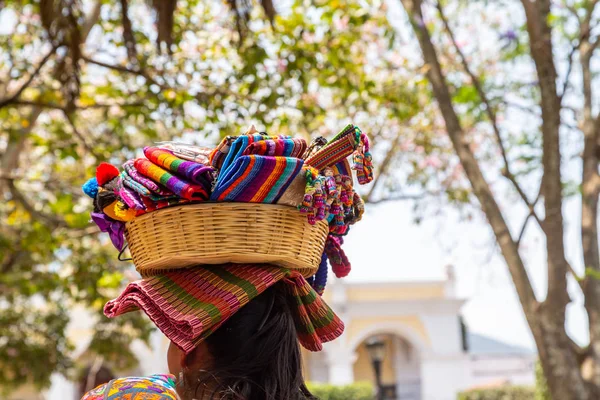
point(254, 355)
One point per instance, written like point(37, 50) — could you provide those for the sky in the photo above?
point(387, 245)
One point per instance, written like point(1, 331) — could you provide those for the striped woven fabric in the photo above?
point(277, 147)
point(188, 305)
point(239, 145)
point(130, 197)
point(256, 179)
point(342, 168)
point(191, 171)
point(132, 176)
point(338, 148)
point(179, 186)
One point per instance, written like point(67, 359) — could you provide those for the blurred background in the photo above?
point(476, 267)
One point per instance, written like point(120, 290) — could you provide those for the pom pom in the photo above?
point(105, 173)
point(90, 188)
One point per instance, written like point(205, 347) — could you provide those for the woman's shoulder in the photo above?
point(154, 387)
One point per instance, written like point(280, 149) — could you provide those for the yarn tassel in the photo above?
point(337, 258)
point(320, 278)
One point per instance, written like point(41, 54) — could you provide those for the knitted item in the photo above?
point(320, 278)
point(188, 305)
point(256, 179)
point(177, 185)
point(191, 171)
point(155, 387)
point(337, 258)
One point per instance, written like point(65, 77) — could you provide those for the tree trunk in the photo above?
point(546, 320)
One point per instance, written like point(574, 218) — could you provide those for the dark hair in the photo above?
point(256, 355)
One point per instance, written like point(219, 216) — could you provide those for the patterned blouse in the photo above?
point(155, 387)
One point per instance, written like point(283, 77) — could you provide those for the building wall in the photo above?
point(363, 367)
point(517, 369)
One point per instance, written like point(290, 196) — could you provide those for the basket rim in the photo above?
point(214, 204)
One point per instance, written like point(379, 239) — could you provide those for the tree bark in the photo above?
point(590, 189)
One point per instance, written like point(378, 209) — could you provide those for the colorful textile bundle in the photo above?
point(188, 305)
point(155, 387)
point(239, 145)
point(256, 179)
point(182, 188)
point(280, 147)
point(194, 172)
point(147, 187)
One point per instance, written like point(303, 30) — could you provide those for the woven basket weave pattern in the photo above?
point(216, 233)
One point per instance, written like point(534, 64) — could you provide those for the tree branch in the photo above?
point(399, 197)
point(470, 164)
point(55, 106)
point(82, 139)
point(507, 173)
point(120, 68)
point(14, 96)
point(531, 214)
point(540, 39)
point(383, 167)
point(35, 214)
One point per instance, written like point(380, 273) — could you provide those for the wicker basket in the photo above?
point(216, 233)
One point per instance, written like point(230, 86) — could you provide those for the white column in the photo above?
point(340, 366)
point(443, 377)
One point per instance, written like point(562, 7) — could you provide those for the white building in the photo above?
point(429, 354)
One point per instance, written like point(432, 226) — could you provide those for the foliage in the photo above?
point(541, 387)
point(77, 96)
point(355, 391)
point(503, 393)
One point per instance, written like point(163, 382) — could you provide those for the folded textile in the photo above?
point(337, 149)
point(277, 147)
point(187, 152)
point(130, 196)
point(256, 179)
point(233, 147)
point(192, 171)
point(177, 185)
point(145, 187)
point(188, 305)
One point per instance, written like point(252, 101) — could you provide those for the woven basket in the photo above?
point(217, 233)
